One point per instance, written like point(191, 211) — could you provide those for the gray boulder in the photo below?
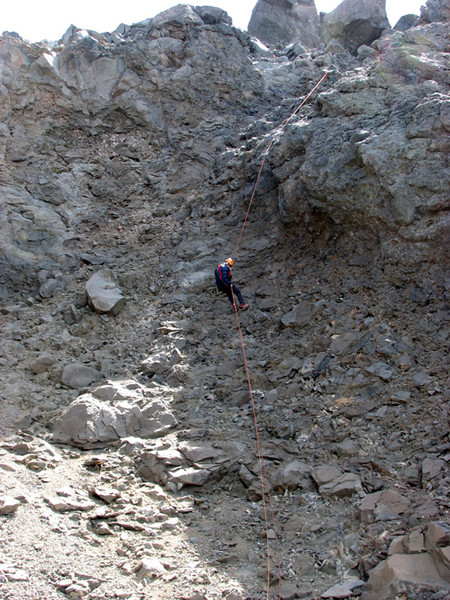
point(157, 363)
point(344, 589)
point(406, 22)
point(103, 293)
point(384, 506)
point(333, 482)
point(190, 476)
point(300, 316)
point(78, 376)
point(412, 573)
point(8, 505)
point(349, 342)
point(435, 10)
point(276, 22)
point(44, 362)
point(292, 475)
point(355, 22)
point(212, 15)
point(90, 422)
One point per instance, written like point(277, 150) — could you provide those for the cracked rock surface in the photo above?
point(129, 458)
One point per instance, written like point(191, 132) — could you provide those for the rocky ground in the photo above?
point(350, 395)
point(129, 454)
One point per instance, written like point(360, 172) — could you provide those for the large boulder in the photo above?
point(406, 22)
point(331, 481)
point(283, 21)
point(400, 573)
point(385, 505)
point(355, 22)
point(8, 504)
point(301, 315)
point(112, 412)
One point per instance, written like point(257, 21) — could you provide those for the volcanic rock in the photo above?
point(414, 573)
point(355, 22)
point(8, 505)
point(137, 151)
point(103, 293)
point(283, 21)
point(89, 422)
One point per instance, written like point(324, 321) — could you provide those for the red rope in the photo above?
point(262, 467)
point(266, 152)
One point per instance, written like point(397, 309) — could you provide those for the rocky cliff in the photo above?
point(127, 159)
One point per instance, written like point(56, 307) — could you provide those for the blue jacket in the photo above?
point(223, 275)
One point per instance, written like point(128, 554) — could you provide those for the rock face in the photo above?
point(128, 454)
point(349, 156)
point(284, 21)
point(435, 10)
point(371, 156)
point(79, 376)
point(355, 22)
point(95, 87)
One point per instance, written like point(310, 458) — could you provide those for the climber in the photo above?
point(224, 285)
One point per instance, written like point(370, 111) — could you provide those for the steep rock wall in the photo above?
point(122, 182)
point(184, 103)
point(374, 153)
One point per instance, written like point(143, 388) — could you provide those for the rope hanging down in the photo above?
point(266, 152)
point(262, 467)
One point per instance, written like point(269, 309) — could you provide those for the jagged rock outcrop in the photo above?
point(279, 22)
point(183, 67)
point(435, 10)
point(416, 562)
point(355, 22)
point(349, 145)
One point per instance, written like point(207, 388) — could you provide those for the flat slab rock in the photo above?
point(8, 505)
point(383, 506)
point(300, 316)
point(403, 573)
point(333, 482)
point(78, 376)
point(344, 589)
point(68, 504)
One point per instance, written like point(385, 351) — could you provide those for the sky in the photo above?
point(36, 20)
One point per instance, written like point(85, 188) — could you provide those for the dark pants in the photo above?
point(226, 289)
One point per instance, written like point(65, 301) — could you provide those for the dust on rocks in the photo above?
point(129, 462)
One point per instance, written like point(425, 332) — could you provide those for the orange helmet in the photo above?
point(230, 261)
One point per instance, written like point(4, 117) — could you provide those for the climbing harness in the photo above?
point(262, 468)
point(220, 273)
